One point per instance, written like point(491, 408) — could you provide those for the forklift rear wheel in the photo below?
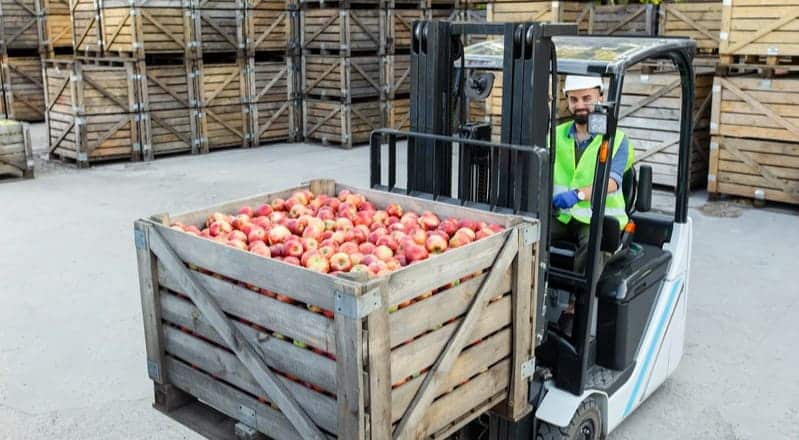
point(585, 425)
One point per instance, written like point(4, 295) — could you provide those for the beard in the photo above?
point(580, 118)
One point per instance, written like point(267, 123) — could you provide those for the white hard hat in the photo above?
point(577, 82)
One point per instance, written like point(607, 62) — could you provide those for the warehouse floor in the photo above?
point(71, 342)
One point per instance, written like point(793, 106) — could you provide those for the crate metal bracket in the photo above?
point(528, 368)
point(358, 307)
point(530, 233)
point(247, 416)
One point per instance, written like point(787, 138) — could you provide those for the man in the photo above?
point(575, 161)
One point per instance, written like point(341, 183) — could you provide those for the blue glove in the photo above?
point(565, 200)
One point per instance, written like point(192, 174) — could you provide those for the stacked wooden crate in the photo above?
point(21, 41)
point(343, 45)
point(650, 118)
point(203, 75)
point(16, 155)
point(700, 20)
point(754, 150)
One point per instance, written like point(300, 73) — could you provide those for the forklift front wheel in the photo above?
point(585, 425)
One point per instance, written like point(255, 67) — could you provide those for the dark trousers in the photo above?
point(573, 232)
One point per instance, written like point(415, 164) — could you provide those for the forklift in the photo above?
point(628, 327)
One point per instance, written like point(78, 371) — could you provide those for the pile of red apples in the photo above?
point(339, 234)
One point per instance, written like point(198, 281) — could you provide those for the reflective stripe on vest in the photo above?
point(568, 176)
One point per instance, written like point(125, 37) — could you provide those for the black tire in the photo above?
point(585, 425)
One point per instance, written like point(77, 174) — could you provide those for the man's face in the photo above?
point(581, 102)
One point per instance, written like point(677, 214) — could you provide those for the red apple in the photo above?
point(376, 234)
point(394, 209)
point(318, 263)
point(459, 239)
point(301, 197)
point(294, 248)
point(247, 210)
point(292, 260)
point(342, 195)
point(262, 250)
point(238, 244)
point(278, 204)
point(496, 228)
point(309, 243)
point(220, 227)
point(449, 226)
point(468, 232)
point(298, 210)
point(263, 211)
point(340, 262)
point(278, 234)
point(419, 236)
point(215, 218)
point(343, 224)
point(466, 223)
point(380, 216)
point(483, 233)
point(415, 252)
point(348, 247)
point(338, 237)
point(436, 244)
point(277, 250)
point(383, 252)
point(387, 240)
point(409, 219)
point(277, 217)
point(364, 218)
point(429, 221)
point(237, 235)
point(327, 250)
point(356, 258)
point(347, 210)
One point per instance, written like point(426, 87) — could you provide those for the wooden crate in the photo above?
point(629, 19)
point(23, 87)
point(219, 30)
point(759, 169)
point(544, 11)
point(700, 21)
point(271, 80)
point(766, 28)
point(86, 29)
point(274, 121)
point(167, 97)
point(751, 107)
point(650, 117)
point(343, 31)
point(20, 24)
point(91, 113)
point(269, 30)
point(16, 154)
point(148, 28)
point(342, 77)
point(223, 102)
point(398, 76)
point(398, 114)
point(333, 122)
point(427, 369)
point(399, 24)
point(57, 26)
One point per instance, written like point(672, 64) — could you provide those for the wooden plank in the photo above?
point(243, 348)
point(150, 301)
point(350, 378)
point(409, 426)
point(379, 349)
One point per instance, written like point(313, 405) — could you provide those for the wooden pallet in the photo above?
point(23, 87)
point(167, 97)
point(337, 123)
point(399, 24)
point(20, 24)
point(148, 28)
point(16, 154)
point(398, 76)
point(754, 168)
point(427, 369)
point(700, 21)
point(650, 117)
point(762, 28)
point(342, 77)
point(223, 103)
point(91, 112)
point(56, 29)
point(751, 107)
point(343, 31)
point(86, 30)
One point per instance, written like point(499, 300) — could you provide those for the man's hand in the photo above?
point(565, 200)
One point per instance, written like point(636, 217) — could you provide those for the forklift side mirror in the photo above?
point(643, 200)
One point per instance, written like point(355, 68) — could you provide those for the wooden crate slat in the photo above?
point(315, 330)
point(700, 21)
point(86, 29)
point(274, 121)
point(399, 114)
point(399, 23)
point(268, 29)
point(398, 76)
point(219, 30)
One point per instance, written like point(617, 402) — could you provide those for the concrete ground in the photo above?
point(72, 360)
